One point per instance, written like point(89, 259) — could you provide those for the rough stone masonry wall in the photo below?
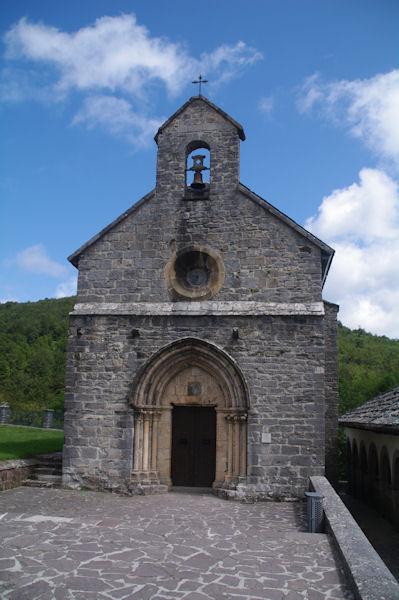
point(199, 122)
point(265, 260)
point(14, 472)
point(331, 392)
point(282, 359)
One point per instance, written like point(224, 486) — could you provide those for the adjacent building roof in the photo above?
point(379, 414)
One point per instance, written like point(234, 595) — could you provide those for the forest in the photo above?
point(33, 338)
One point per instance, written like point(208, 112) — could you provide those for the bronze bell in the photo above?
point(198, 166)
point(197, 181)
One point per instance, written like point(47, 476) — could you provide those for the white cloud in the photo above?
point(362, 212)
point(362, 223)
point(266, 105)
point(227, 61)
point(368, 107)
point(108, 64)
point(117, 117)
point(67, 288)
point(9, 298)
point(35, 260)
point(116, 53)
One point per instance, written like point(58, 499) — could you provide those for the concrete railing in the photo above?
point(367, 573)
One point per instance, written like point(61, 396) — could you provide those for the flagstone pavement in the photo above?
point(76, 545)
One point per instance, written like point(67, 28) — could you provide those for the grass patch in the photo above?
point(23, 442)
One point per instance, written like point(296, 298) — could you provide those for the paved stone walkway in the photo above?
point(62, 544)
point(380, 532)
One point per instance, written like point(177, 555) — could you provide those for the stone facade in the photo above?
point(204, 297)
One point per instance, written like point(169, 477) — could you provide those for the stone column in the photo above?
point(236, 461)
point(146, 440)
point(243, 441)
point(138, 436)
point(48, 418)
point(229, 447)
point(154, 440)
point(236, 446)
point(4, 413)
point(145, 445)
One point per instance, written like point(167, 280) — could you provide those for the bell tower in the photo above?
point(202, 140)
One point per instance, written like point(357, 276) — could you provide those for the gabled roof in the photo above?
point(379, 414)
point(327, 252)
point(201, 98)
point(74, 258)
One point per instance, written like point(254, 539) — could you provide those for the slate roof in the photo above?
point(327, 253)
point(74, 258)
point(379, 414)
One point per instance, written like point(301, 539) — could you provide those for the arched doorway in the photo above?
point(193, 454)
point(190, 404)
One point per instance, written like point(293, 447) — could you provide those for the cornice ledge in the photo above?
point(224, 308)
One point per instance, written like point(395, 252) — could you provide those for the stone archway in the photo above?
point(197, 374)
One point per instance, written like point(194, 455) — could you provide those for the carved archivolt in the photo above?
point(165, 364)
point(153, 406)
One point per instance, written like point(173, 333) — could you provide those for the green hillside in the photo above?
point(33, 339)
point(368, 366)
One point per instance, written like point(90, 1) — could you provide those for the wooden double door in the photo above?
point(193, 446)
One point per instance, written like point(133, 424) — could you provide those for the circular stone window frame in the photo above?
point(183, 289)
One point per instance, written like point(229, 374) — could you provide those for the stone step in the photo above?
point(51, 457)
point(47, 470)
point(48, 476)
point(47, 473)
point(43, 483)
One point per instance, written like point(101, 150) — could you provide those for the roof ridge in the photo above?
point(239, 127)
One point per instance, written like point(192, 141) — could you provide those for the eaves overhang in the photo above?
point(327, 253)
point(74, 258)
point(387, 428)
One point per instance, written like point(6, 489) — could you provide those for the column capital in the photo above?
point(236, 417)
point(147, 412)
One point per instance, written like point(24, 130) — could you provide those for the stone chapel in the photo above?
point(201, 353)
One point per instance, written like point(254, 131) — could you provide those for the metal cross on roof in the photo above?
point(200, 82)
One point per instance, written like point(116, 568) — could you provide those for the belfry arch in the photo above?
point(197, 375)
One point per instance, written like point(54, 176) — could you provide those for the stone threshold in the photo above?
point(182, 489)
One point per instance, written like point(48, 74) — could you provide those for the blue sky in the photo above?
point(84, 85)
